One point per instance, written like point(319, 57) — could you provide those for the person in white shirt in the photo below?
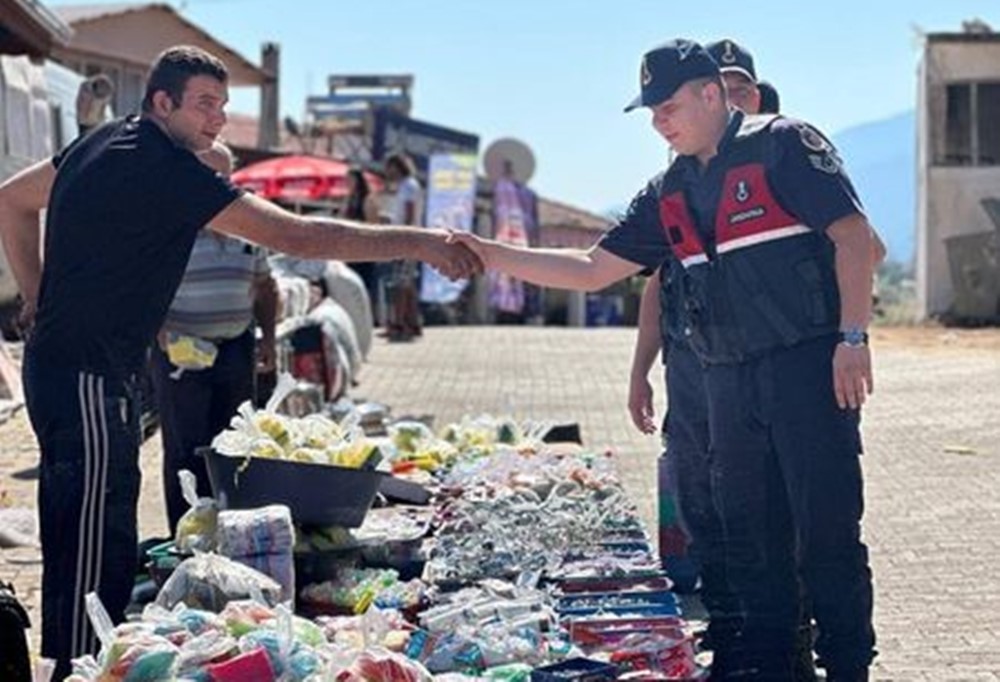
point(407, 206)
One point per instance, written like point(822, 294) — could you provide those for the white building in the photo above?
point(958, 166)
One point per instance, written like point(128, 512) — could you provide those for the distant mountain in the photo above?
point(881, 159)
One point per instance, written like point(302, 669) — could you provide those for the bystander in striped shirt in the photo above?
point(215, 300)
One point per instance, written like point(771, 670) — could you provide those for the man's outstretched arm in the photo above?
point(261, 222)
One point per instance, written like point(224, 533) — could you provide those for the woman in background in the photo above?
point(360, 204)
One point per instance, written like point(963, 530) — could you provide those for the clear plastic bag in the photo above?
point(210, 581)
point(196, 528)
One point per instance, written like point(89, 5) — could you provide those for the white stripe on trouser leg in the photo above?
point(79, 586)
point(101, 481)
point(94, 399)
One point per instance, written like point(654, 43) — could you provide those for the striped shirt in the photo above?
point(215, 299)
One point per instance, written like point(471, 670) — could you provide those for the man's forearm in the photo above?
point(352, 241)
point(22, 197)
point(261, 222)
point(854, 267)
point(648, 341)
point(21, 242)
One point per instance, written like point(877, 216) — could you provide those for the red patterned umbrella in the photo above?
point(298, 178)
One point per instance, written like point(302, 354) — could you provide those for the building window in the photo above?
point(988, 117)
point(969, 131)
point(958, 126)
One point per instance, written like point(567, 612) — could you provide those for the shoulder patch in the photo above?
point(811, 138)
point(827, 162)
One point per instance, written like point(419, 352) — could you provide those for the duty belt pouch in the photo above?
point(15, 663)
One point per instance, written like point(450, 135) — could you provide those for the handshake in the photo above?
point(457, 255)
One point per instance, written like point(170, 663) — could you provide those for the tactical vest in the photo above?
point(768, 281)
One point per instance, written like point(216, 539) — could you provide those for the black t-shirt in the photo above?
point(124, 210)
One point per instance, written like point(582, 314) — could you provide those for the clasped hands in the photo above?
point(457, 255)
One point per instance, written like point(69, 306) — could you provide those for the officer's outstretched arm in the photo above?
point(578, 269)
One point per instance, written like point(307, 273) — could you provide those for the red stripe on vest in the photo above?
point(747, 206)
point(679, 226)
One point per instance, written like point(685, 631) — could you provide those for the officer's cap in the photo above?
point(667, 67)
point(770, 102)
point(733, 58)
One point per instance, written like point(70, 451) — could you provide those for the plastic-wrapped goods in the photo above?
point(210, 581)
point(379, 665)
point(376, 627)
point(199, 653)
point(290, 659)
point(196, 528)
point(315, 438)
point(348, 289)
point(245, 616)
point(252, 666)
point(251, 532)
point(138, 658)
point(262, 539)
point(354, 589)
point(338, 325)
point(294, 295)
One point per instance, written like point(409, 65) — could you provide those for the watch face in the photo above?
point(854, 337)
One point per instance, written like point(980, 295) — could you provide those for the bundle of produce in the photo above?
point(315, 438)
point(416, 447)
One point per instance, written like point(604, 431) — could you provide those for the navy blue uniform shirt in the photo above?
point(124, 210)
point(802, 169)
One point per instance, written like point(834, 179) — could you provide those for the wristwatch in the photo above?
point(854, 337)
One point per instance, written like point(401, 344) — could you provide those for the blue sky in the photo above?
point(556, 73)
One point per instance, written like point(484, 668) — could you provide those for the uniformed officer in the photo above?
point(691, 532)
point(777, 271)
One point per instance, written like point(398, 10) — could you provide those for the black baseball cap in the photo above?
point(770, 103)
point(669, 66)
point(733, 58)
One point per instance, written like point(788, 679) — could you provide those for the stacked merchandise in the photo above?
point(530, 563)
point(262, 539)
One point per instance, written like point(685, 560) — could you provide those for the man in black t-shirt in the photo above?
point(124, 205)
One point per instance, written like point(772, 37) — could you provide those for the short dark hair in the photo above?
point(402, 162)
point(175, 66)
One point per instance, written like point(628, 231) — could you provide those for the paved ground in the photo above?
point(933, 464)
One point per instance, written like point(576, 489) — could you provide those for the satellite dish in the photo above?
point(511, 158)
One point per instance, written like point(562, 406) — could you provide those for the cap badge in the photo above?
point(728, 57)
point(645, 77)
